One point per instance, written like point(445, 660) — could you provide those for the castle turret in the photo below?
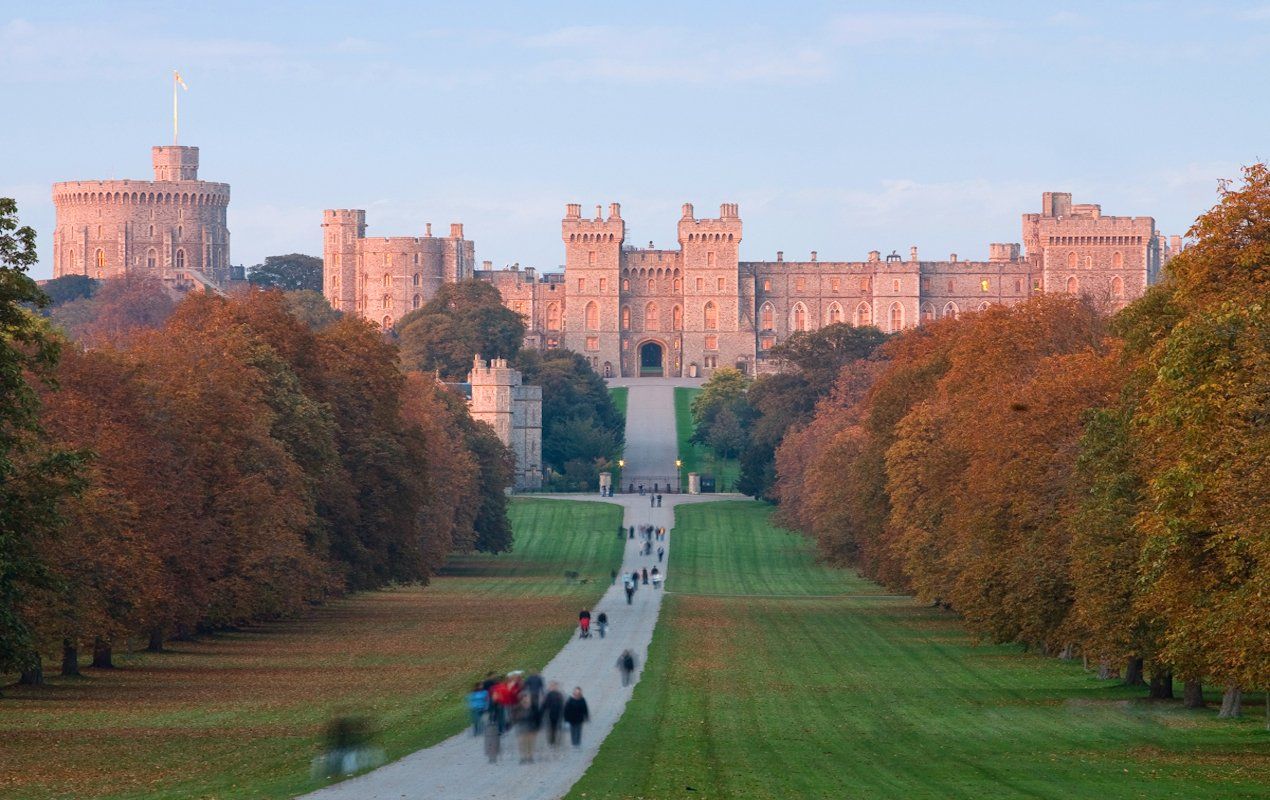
point(715, 301)
point(174, 162)
point(593, 264)
point(341, 230)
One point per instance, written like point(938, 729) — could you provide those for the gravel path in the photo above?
point(457, 769)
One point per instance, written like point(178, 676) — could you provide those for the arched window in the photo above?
point(767, 316)
point(626, 318)
point(101, 259)
point(652, 319)
point(626, 285)
point(897, 317)
point(553, 317)
point(180, 231)
point(677, 318)
point(1117, 260)
point(983, 306)
point(863, 315)
point(180, 259)
point(151, 231)
point(864, 285)
point(1072, 285)
point(385, 302)
point(387, 323)
point(799, 318)
point(415, 279)
point(928, 312)
point(678, 284)
point(951, 310)
point(387, 281)
point(711, 315)
point(835, 314)
point(592, 316)
point(1089, 262)
point(652, 284)
point(152, 259)
point(416, 301)
point(1117, 287)
point(1071, 261)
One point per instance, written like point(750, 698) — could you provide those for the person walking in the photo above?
point(584, 623)
point(652, 501)
point(602, 622)
point(552, 708)
point(626, 665)
point(613, 576)
point(659, 501)
point(635, 578)
point(645, 576)
point(630, 590)
point(478, 707)
point(661, 553)
point(526, 723)
point(576, 713)
point(656, 576)
point(493, 738)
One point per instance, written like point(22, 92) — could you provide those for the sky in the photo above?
point(838, 127)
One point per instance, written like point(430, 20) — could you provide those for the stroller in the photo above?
point(584, 625)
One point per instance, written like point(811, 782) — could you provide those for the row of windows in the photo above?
point(1094, 240)
point(1117, 260)
point(1117, 286)
point(184, 198)
point(152, 259)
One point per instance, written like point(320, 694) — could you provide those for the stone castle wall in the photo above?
point(514, 411)
point(171, 227)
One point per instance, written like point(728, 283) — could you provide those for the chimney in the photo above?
point(487, 265)
point(456, 230)
point(728, 211)
point(1175, 244)
point(813, 255)
point(912, 253)
point(573, 210)
point(427, 229)
point(875, 255)
point(687, 213)
point(952, 259)
point(780, 255)
point(599, 215)
point(615, 210)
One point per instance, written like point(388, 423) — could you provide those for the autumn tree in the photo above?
point(292, 272)
point(120, 307)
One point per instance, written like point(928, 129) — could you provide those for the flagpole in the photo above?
point(175, 130)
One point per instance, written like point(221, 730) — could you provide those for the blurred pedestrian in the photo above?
point(626, 665)
point(602, 622)
point(493, 741)
point(478, 707)
point(576, 713)
point(613, 577)
point(552, 708)
point(533, 688)
point(645, 571)
point(656, 576)
point(661, 553)
point(526, 722)
point(659, 501)
point(584, 624)
point(630, 590)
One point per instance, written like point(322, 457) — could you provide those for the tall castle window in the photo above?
point(626, 285)
point(581, 284)
point(711, 316)
point(864, 284)
point(1117, 287)
point(592, 317)
point(928, 312)
point(897, 317)
point(385, 302)
point(101, 259)
point(1089, 262)
point(1072, 285)
point(712, 342)
point(767, 285)
point(678, 285)
point(652, 318)
point(626, 318)
point(835, 284)
point(701, 284)
point(593, 343)
point(721, 284)
point(835, 314)
point(180, 259)
point(800, 284)
point(951, 310)
point(152, 259)
point(677, 318)
point(1117, 260)
point(710, 259)
point(863, 315)
point(652, 284)
point(985, 285)
point(415, 279)
point(416, 301)
point(604, 284)
point(1071, 261)
point(553, 316)
point(766, 316)
point(800, 317)
point(590, 258)
point(151, 231)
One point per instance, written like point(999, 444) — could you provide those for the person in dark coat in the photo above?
point(576, 713)
point(602, 622)
point(626, 665)
point(645, 576)
point(552, 709)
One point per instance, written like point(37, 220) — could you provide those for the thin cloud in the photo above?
point(924, 28)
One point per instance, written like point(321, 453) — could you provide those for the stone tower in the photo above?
point(593, 265)
point(716, 305)
point(342, 229)
point(171, 227)
point(514, 411)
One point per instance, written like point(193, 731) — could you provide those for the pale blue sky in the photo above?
point(838, 127)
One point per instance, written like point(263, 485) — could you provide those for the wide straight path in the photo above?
point(457, 768)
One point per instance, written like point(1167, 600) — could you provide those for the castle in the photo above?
point(172, 227)
point(686, 311)
point(496, 396)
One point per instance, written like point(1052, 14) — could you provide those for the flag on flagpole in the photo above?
point(179, 81)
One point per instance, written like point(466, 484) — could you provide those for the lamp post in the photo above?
point(679, 464)
point(621, 465)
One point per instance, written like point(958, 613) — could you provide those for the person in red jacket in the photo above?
point(584, 622)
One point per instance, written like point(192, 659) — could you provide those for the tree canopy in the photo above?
point(292, 272)
point(463, 320)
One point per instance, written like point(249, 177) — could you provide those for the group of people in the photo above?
point(584, 624)
point(632, 582)
point(524, 704)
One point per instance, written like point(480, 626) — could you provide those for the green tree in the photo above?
point(463, 320)
point(579, 421)
point(34, 477)
point(293, 272)
point(70, 287)
point(725, 389)
point(312, 308)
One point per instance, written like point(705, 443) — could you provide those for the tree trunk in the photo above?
point(1133, 673)
point(1068, 652)
point(1106, 672)
point(1231, 701)
point(70, 658)
point(1161, 686)
point(1193, 694)
point(34, 674)
point(156, 640)
point(102, 654)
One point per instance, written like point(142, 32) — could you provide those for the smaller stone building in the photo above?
point(514, 411)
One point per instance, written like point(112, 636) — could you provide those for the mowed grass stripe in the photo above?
point(240, 714)
point(865, 697)
point(698, 458)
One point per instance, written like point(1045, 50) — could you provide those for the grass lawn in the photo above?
point(240, 714)
point(620, 396)
point(875, 697)
point(698, 458)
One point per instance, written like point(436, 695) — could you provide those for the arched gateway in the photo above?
point(652, 360)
